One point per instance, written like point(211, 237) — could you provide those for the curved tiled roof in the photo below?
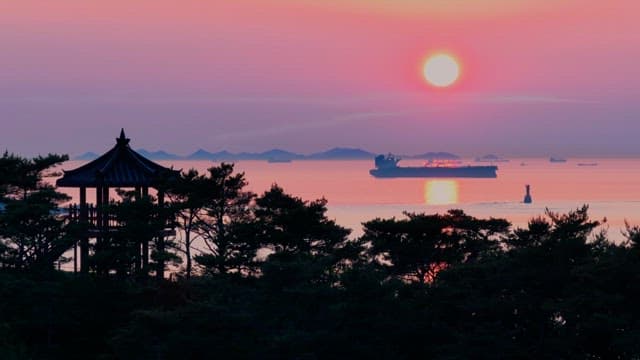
point(119, 167)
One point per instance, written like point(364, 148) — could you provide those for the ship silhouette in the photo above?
point(387, 167)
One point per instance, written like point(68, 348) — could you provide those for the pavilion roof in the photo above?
point(119, 167)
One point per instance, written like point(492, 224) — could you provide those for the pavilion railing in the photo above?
point(110, 220)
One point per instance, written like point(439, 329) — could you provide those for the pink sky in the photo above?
point(540, 77)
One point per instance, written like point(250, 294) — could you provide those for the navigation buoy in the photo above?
point(527, 196)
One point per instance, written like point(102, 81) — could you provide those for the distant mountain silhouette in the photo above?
point(342, 154)
point(86, 156)
point(435, 155)
point(281, 154)
point(278, 154)
point(204, 155)
point(338, 153)
point(158, 155)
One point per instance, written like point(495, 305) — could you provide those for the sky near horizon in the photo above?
point(539, 77)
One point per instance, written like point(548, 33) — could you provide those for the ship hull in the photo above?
point(436, 172)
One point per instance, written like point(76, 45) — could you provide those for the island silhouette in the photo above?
point(337, 153)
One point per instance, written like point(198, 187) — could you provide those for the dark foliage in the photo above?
point(33, 236)
point(223, 221)
point(440, 286)
point(420, 246)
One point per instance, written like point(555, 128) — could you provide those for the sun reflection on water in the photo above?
point(441, 192)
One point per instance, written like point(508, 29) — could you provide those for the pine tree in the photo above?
point(33, 233)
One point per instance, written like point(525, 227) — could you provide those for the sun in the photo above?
point(441, 70)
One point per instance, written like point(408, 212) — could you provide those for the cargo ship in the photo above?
point(387, 167)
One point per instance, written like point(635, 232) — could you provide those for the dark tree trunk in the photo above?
point(160, 244)
point(187, 250)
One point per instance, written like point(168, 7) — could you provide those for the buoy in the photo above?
point(527, 196)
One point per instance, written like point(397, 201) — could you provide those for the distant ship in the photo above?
point(490, 158)
point(557, 160)
point(587, 164)
point(278, 160)
point(387, 167)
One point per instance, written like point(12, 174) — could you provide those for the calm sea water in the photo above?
point(611, 189)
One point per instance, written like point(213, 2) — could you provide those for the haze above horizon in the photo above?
point(537, 77)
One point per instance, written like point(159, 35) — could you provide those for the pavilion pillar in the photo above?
point(98, 222)
point(105, 204)
point(160, 235)
point(138, 255)
point(104, 225)
point(75, 257)
point(99, 205)
point(145, 242)
point(84, 240)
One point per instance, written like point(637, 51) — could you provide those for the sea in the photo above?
point(610, 187)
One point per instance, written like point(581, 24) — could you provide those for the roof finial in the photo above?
point(122, 140)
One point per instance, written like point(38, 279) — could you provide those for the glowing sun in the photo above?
point(441, 70)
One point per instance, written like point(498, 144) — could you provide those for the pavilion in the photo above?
point(120, 167)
